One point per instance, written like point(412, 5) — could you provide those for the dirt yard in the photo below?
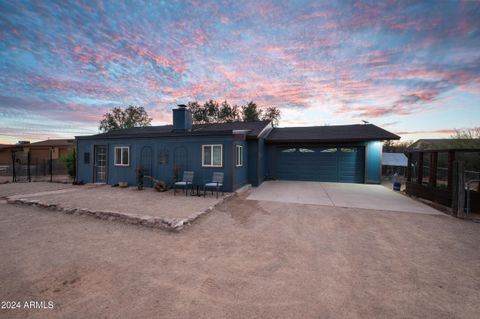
point(55, 178)
point(11, 189)
point(246, 259)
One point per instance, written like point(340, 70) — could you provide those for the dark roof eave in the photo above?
point(342, 140)
point(142, 135)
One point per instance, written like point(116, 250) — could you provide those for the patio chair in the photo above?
point(217, 183)
point(186, 181)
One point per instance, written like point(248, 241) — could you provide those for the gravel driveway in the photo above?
point(246, 259)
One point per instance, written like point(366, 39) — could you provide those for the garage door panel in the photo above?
point(351, 164)
point(326, 164)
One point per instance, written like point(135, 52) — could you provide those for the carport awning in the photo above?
point(394, 159)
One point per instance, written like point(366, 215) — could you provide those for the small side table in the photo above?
point(197, 192)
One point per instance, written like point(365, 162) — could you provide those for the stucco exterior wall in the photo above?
point(172, 146)
point(240, 172)
point(261, 160)
point(373, 162)
point(252, 162)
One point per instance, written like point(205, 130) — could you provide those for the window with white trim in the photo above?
point(212, 155)
point(122, 156)
point(238, 155)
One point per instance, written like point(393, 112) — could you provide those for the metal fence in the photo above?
point(442, 174)
point(39, 170)
point(389, 174)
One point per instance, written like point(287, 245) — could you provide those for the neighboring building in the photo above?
point(394, 163)
point(394, 159)
point(5, 160)
point(5, 155)
point(247, 152)
point(444, 144)
point(34, 158)
point(39, 151)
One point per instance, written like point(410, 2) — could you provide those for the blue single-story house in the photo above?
point(247, 152)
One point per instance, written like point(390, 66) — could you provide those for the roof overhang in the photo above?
point(178, 134)
point(323, 141)
point(241, 131)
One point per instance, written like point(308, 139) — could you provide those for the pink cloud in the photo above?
point(440, 131)
point(160, 59)
point(318, 14)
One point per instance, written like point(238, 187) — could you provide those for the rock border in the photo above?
point(165, 223)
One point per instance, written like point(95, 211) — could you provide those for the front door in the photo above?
point(146, 158)
point(100, 167)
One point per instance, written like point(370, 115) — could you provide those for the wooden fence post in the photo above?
point(14, 174)
point(51, 165)
point(420, 168)
point(461, 190)
point(28, 166)
point(453, 184)
point(458, 189)
point(409, 168)
point(451, 158)
point(433, 169)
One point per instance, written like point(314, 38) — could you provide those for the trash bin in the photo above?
point(396, 184)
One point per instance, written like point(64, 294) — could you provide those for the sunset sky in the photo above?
point(410, 67)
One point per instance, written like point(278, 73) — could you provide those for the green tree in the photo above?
point(212, 112)
point(228, 113)
point(467, 138)
point(251, 112)
point(272, 114)
point(117, 118)
point(396, 146)
point(472, 133)
point(199, 113)
point(70, 160)
point(212, 108)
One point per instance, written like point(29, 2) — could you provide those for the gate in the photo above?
point(146, 158)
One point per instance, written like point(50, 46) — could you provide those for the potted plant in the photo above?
point(140, 171)
point(176, 173)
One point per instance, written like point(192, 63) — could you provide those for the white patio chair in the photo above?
point(186, 181)
point(216, 183)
